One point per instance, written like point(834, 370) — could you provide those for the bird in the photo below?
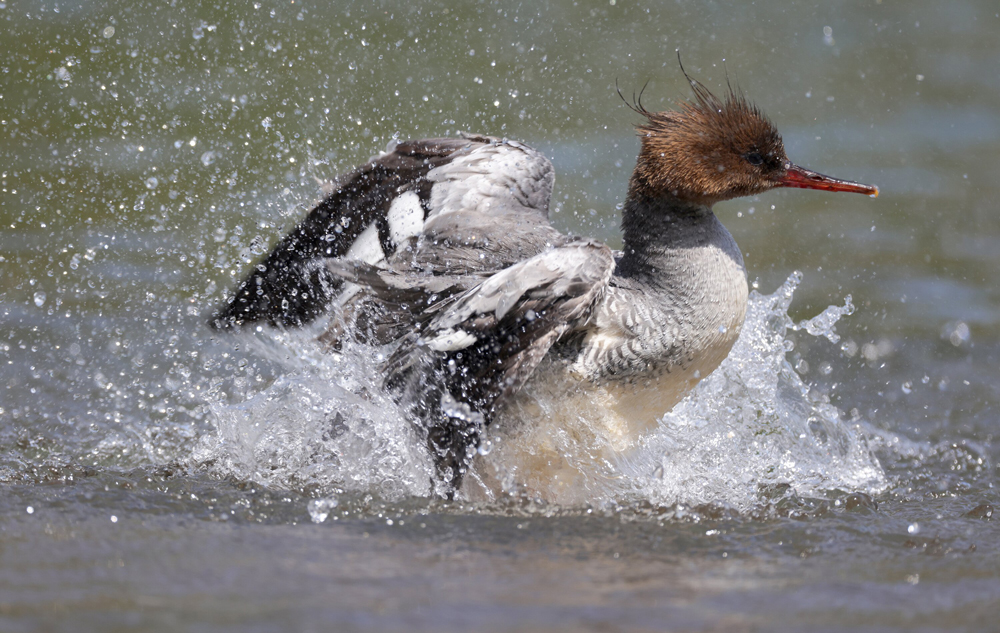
point(442, 249)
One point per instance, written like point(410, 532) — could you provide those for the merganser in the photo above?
point(443, 247)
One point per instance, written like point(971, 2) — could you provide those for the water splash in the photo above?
point(753, 425)
point(750, 426)
point(324, 424)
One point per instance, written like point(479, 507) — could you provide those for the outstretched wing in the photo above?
point(482, 345)
point(432, 204)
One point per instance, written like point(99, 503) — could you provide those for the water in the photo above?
point(157, 476)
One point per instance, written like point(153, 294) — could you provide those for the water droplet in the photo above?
point(63, 76)
point(108, 32)
point(850, 348)
point(956, 332)
point(208, 158)
point(828, 36)
point(152, 182)
point(913, 528)
point(258, 245)
point(30, 510)
point(39, 298)
point(319, 509)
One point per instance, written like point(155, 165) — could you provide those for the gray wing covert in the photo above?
point(488, 209)
point(481, 346)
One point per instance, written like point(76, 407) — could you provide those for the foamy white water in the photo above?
point(752, 424)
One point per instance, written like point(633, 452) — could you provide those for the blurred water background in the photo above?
point(157, 476)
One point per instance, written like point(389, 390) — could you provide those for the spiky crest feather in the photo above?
point(697, 153)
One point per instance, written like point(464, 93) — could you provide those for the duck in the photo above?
point(504, 331)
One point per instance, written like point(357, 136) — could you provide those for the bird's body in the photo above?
point(443, 248)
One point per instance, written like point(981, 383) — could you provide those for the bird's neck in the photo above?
point(663, 235)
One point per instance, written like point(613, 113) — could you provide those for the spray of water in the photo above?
point(753, 424)
point(324, 424)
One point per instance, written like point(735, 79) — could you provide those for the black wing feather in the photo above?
point(290, 287)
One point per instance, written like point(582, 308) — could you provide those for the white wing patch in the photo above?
point(367, 247)
point(405, 217)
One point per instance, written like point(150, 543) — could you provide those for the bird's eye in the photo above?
point(754, 158)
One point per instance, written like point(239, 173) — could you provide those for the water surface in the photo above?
point(156, 476)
